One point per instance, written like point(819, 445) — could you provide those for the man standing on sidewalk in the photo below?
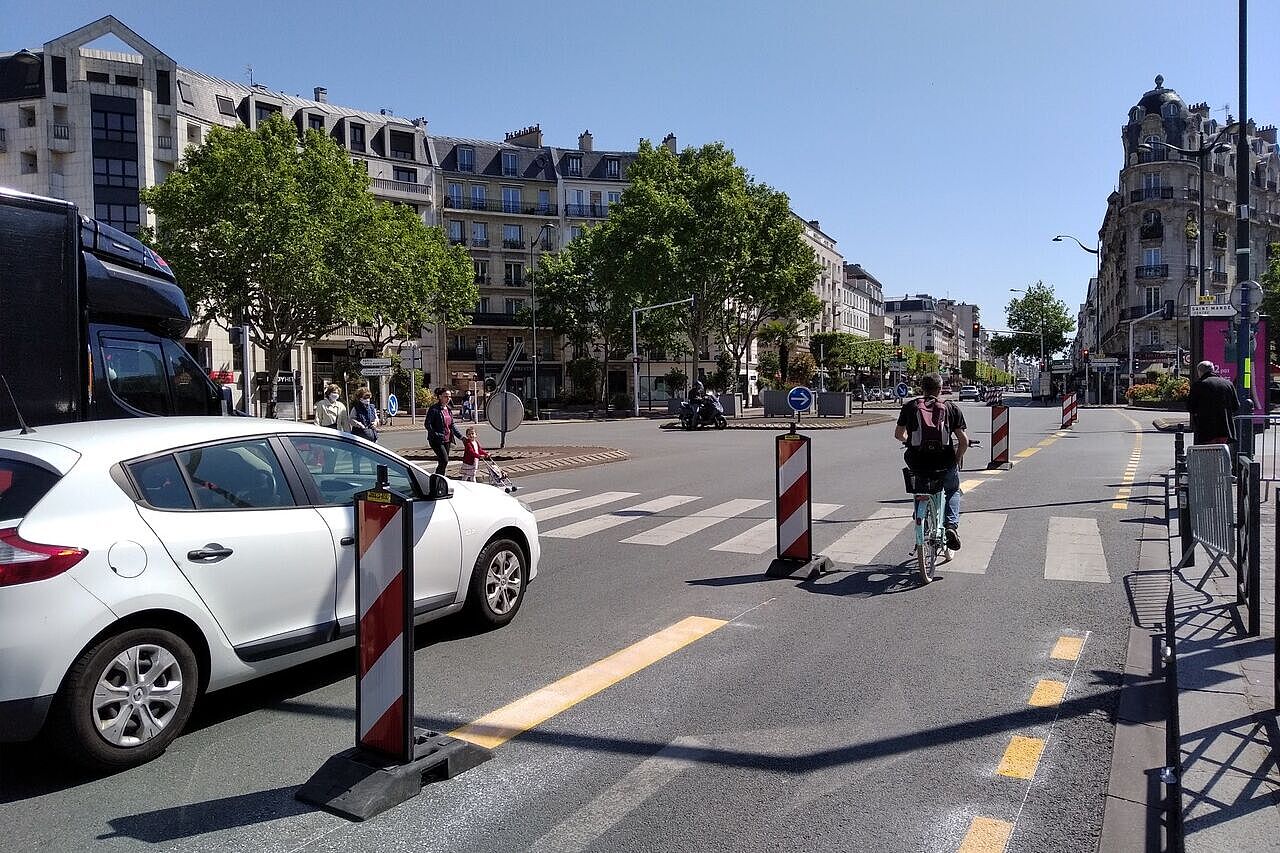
point(1212, 405)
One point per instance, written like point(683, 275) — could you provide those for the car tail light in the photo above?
point(23, 562)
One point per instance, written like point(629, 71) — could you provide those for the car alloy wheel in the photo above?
point(502, 583)
point(137, 696)
point(498, 583)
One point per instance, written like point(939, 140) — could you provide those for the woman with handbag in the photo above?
point(364, 417)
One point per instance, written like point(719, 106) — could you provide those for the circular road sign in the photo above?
point(902, 389)
point(505, 411)
point(800, 398)
point(393, 405)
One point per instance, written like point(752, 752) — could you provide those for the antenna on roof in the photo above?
point(248, 70)
point(22, 423)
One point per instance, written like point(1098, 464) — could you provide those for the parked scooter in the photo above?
point(704, 412)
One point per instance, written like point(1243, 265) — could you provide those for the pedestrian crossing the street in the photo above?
point(1073, 546)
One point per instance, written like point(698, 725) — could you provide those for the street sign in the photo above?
point(902, 389)
point(800, 398)
point(1104, 362)
point(376, 371)
point(1213, 310)
point(375, 362)
point(897, 364)
point(504, 411)
point(1206, 299)
point(393, 405)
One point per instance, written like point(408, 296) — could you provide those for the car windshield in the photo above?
point(22, 485)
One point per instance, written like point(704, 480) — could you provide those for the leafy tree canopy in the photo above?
point(1038, 309)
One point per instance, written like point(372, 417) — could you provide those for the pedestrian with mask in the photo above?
point(441, 430)
point(364, 417)
point(1212, 404)
point(331, 412)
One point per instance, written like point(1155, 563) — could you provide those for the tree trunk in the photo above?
point(275, 357)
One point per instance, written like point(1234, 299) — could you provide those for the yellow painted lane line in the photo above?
point(1067, 648)
point(500, 726)
point(970, 485)
point(986, 835)
point(1021, 757)
point(1030, 451)
point(1047, 693)
point(1048, 442)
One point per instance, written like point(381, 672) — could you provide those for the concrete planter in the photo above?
point(835, 404)
point(732, 405)
point(776, 405)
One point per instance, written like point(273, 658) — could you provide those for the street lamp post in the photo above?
point(533, 311)
point(635, 349)
point(1097, 322)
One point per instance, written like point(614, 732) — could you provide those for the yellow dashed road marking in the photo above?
point(1130, 471)
point(1048, 693)
point(986, 835)
point(1030, 451)
point(1047, 442)
point(1067, 648)
point(1021, 757)
point(969, 485)
point(500, 726)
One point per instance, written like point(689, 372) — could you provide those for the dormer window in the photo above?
point(1169, 110)
point(357, 137)
point(510, 163)
point(574, 165)
point(611, 168)
point(225, 106)
point(466, 159)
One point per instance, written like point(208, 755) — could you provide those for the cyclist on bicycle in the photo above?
point(933, 431)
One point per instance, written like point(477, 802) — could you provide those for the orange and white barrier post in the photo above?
point(391, 760)
point(792, 507)
point(999, 437)
point(1068, 410)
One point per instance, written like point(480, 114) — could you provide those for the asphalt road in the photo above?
point(859, 711)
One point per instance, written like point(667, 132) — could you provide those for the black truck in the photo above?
point(90, 322)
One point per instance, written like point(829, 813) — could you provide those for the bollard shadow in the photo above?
point(187, 821)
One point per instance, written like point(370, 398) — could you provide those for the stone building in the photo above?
point(1150, 238)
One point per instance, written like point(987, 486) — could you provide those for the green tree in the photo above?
point(801, 368)
point(783, 336)
point(409, 275)
point(768, 369)
point(258, 229)
point(1038, 309)
point(1270, 281)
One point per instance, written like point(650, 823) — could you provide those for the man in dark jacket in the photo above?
point(441, 429)
point(1212, 404)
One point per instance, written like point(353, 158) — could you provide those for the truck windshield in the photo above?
point(157, 377)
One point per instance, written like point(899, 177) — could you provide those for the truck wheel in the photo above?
point(125, 699)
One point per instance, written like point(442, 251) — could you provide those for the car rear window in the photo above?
point(22, 485)
point(161, 483)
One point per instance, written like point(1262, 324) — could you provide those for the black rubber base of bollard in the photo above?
point(782, 568)
point(358, 785)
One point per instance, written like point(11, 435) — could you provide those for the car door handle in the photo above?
point(211, 553)
point(348, 540)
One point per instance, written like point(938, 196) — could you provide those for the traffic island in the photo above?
point(521, 461)
point(805, 424)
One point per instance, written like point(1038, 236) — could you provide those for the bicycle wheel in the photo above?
point(927, 553)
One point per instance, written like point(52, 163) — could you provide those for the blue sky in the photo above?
point(941, 143)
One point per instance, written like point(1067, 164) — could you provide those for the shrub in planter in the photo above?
point(1143, 393)
point(1173, 388)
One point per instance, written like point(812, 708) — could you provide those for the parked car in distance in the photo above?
point(146, 562)
point(970, 392)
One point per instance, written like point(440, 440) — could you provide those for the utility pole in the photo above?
point(1244, 274)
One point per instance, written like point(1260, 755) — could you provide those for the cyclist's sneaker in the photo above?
point(953, 538)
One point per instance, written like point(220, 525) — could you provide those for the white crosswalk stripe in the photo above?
point(612, 519)
point(546, 495)
point(1074, 551)
point(547, 513)
point(861, 545)
point(764, 535)
point(674, 531)
point(981, 531)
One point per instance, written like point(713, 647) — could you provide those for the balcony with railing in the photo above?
point(1151, 193)
point(493, 205)
point(62, 136)
point(1151, 232)
point(513, 281)
point(457, 240)
point(1156, 156)
point(587, 211)
point(481, 242)
point(1190, 194)
point(403, 187)
point(512, 244)
point(1151, 271)
point(398, 154)
point(461, 353)
point(1219, 277)
point(495, 318)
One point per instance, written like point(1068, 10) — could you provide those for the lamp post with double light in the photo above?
point(533, 308)
point(1092, 309)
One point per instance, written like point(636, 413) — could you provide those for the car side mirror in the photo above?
point(432, 487)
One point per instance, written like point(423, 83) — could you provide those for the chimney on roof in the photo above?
point(421, 121)
point(585, 141)
point(322, 94)
point(526, 137)
point(816, 225)
point(669, 143)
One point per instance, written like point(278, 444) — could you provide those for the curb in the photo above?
point(518, 461)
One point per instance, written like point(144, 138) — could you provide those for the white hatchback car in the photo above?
point(144, 562)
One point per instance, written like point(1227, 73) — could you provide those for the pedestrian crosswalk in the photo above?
point(1073, 546)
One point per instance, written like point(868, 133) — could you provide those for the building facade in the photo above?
point(864, 298)
point(1150, 240)
point(836, 316)
point(926, 324)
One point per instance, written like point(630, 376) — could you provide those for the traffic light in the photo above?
point(1085, 354)
point(899, 353)
point(977, 329)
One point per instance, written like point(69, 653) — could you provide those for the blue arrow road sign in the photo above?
point(393, 405)
point(902, 389)
point(800, 398)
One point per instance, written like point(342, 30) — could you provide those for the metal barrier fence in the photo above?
point(1212, 503)
point(1266, 443)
